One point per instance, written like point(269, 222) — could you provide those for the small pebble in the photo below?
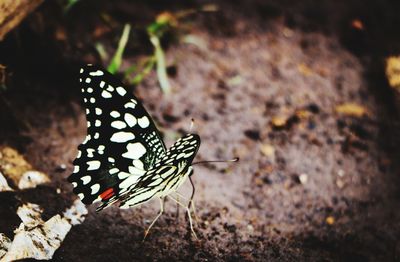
point(303, 178)
point(339, 183)
point(330, 220)
point(340, 172)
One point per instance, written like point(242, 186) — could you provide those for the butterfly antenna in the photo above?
point(236, 159)
point(191, 125)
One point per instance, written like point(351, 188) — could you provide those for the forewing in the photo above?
point(122, 140)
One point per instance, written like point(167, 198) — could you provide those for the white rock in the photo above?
point(3, 184)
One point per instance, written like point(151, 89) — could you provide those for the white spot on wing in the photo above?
point(130, 119)
point(135, 150)
point(98, 111)
point(136, 171)
point(76, 169)
point(74, 184)
point(189, 154)
point(90, 90)
point(86, 179)
point(81, 196)
point(130, 105)
point(92, 100)
point(123, 175)
point(121, 137)
point(187, 138)
point(144, 122)
point(121, 90)
point(106, 94)
point(113, 170)
point(97, 123)
point(90, 152)
point(139, 164)
point(96, 73)
point(93, 165)
point(115, 114)
point(180, 155)
point(88, 80)
point(118, 124)
point(88, 137)
point(95, 188)
point(102, 83)
point(98, 199)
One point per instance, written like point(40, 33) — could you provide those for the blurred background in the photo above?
point(306, 93)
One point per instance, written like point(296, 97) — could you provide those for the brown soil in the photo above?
point(330, 189)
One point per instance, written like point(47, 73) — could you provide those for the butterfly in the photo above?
point(123, 157)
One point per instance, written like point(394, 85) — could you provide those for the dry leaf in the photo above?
point(351, 109)
point(267, 150)
point(393, 71)
point(357, 24)
point(303, 114)
point(278, 121)
point(305, 69)
point(330, 220)
point(12, 164)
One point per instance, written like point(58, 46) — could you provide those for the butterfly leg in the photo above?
point(188, 212)
point(190, 205)
point(177, 210)
point(191, 202)
point(155, 219)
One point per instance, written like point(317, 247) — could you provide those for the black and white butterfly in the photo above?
point(123, 158)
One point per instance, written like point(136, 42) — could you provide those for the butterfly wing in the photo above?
point(168, 174)
point(122, 141)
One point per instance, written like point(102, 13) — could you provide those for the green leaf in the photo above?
point(102, 52)
point(161, 65)
point(116, 61)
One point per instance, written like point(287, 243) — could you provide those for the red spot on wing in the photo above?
point(107, 194)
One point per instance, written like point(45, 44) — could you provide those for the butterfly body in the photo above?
point(123, 158)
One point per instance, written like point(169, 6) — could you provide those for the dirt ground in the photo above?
point(323, 186)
